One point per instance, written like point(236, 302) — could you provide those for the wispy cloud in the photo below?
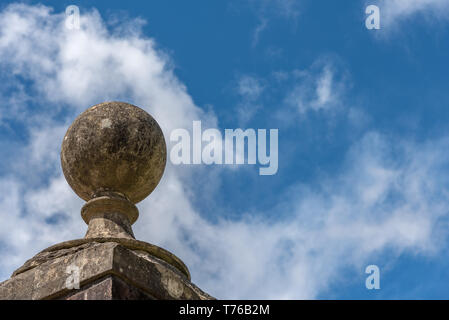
point(267, 10)
point(388, 196)
point(316, 91)
point(320, 88)
point(249, 89)
point(396, 12)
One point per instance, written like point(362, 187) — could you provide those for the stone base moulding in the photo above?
point(107, 270)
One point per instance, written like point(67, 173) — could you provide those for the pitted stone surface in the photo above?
point(142, 249)
point(45, 256)
point(114, 147)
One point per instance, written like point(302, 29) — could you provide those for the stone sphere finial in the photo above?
point(114, 148)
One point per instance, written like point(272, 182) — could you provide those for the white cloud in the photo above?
point(389, 195)
point(395, 11)
point(317, 89)
point(267, 10)
point(261, 26)
point(249, 87)
point(321, 88)
point(83, 67)
point(324, 88)
point(250, 90)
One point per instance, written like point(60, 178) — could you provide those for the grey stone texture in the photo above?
point(108, 288)
point(107, 270)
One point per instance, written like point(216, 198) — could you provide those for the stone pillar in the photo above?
point(113, 156)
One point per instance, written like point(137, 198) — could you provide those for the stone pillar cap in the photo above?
point(113, 156)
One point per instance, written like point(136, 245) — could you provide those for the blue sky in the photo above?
point(363, 163)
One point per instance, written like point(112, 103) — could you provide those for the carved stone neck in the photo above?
point(109, 216)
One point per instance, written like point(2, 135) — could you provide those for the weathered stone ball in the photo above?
point(113, 147)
